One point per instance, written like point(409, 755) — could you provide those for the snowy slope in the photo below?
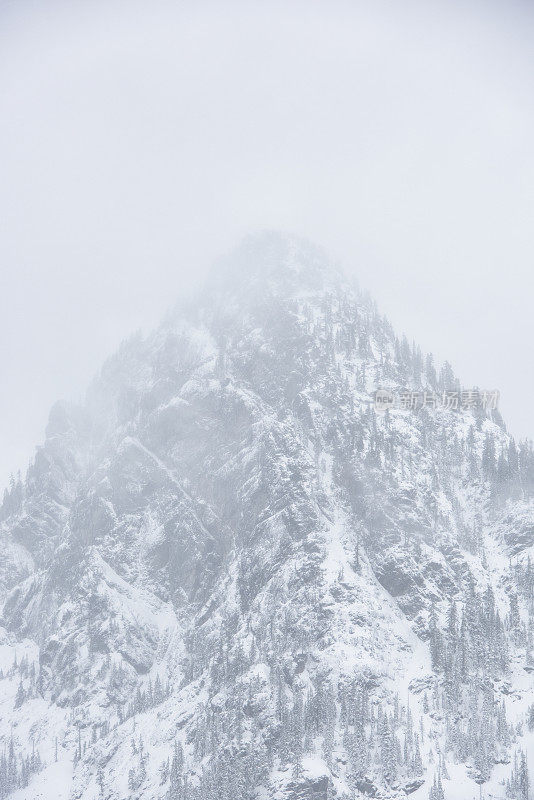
point(227, 577)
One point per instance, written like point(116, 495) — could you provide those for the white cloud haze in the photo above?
point(139, 140)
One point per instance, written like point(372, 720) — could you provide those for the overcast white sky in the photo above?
point(139, 140)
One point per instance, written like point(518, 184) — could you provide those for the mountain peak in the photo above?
point(280, 261)
point(290, 595)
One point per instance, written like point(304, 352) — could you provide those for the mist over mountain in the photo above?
point(227, 576)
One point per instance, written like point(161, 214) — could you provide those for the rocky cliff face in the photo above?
point(226, 576)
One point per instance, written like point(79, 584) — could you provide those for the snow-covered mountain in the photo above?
point(227, 576)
